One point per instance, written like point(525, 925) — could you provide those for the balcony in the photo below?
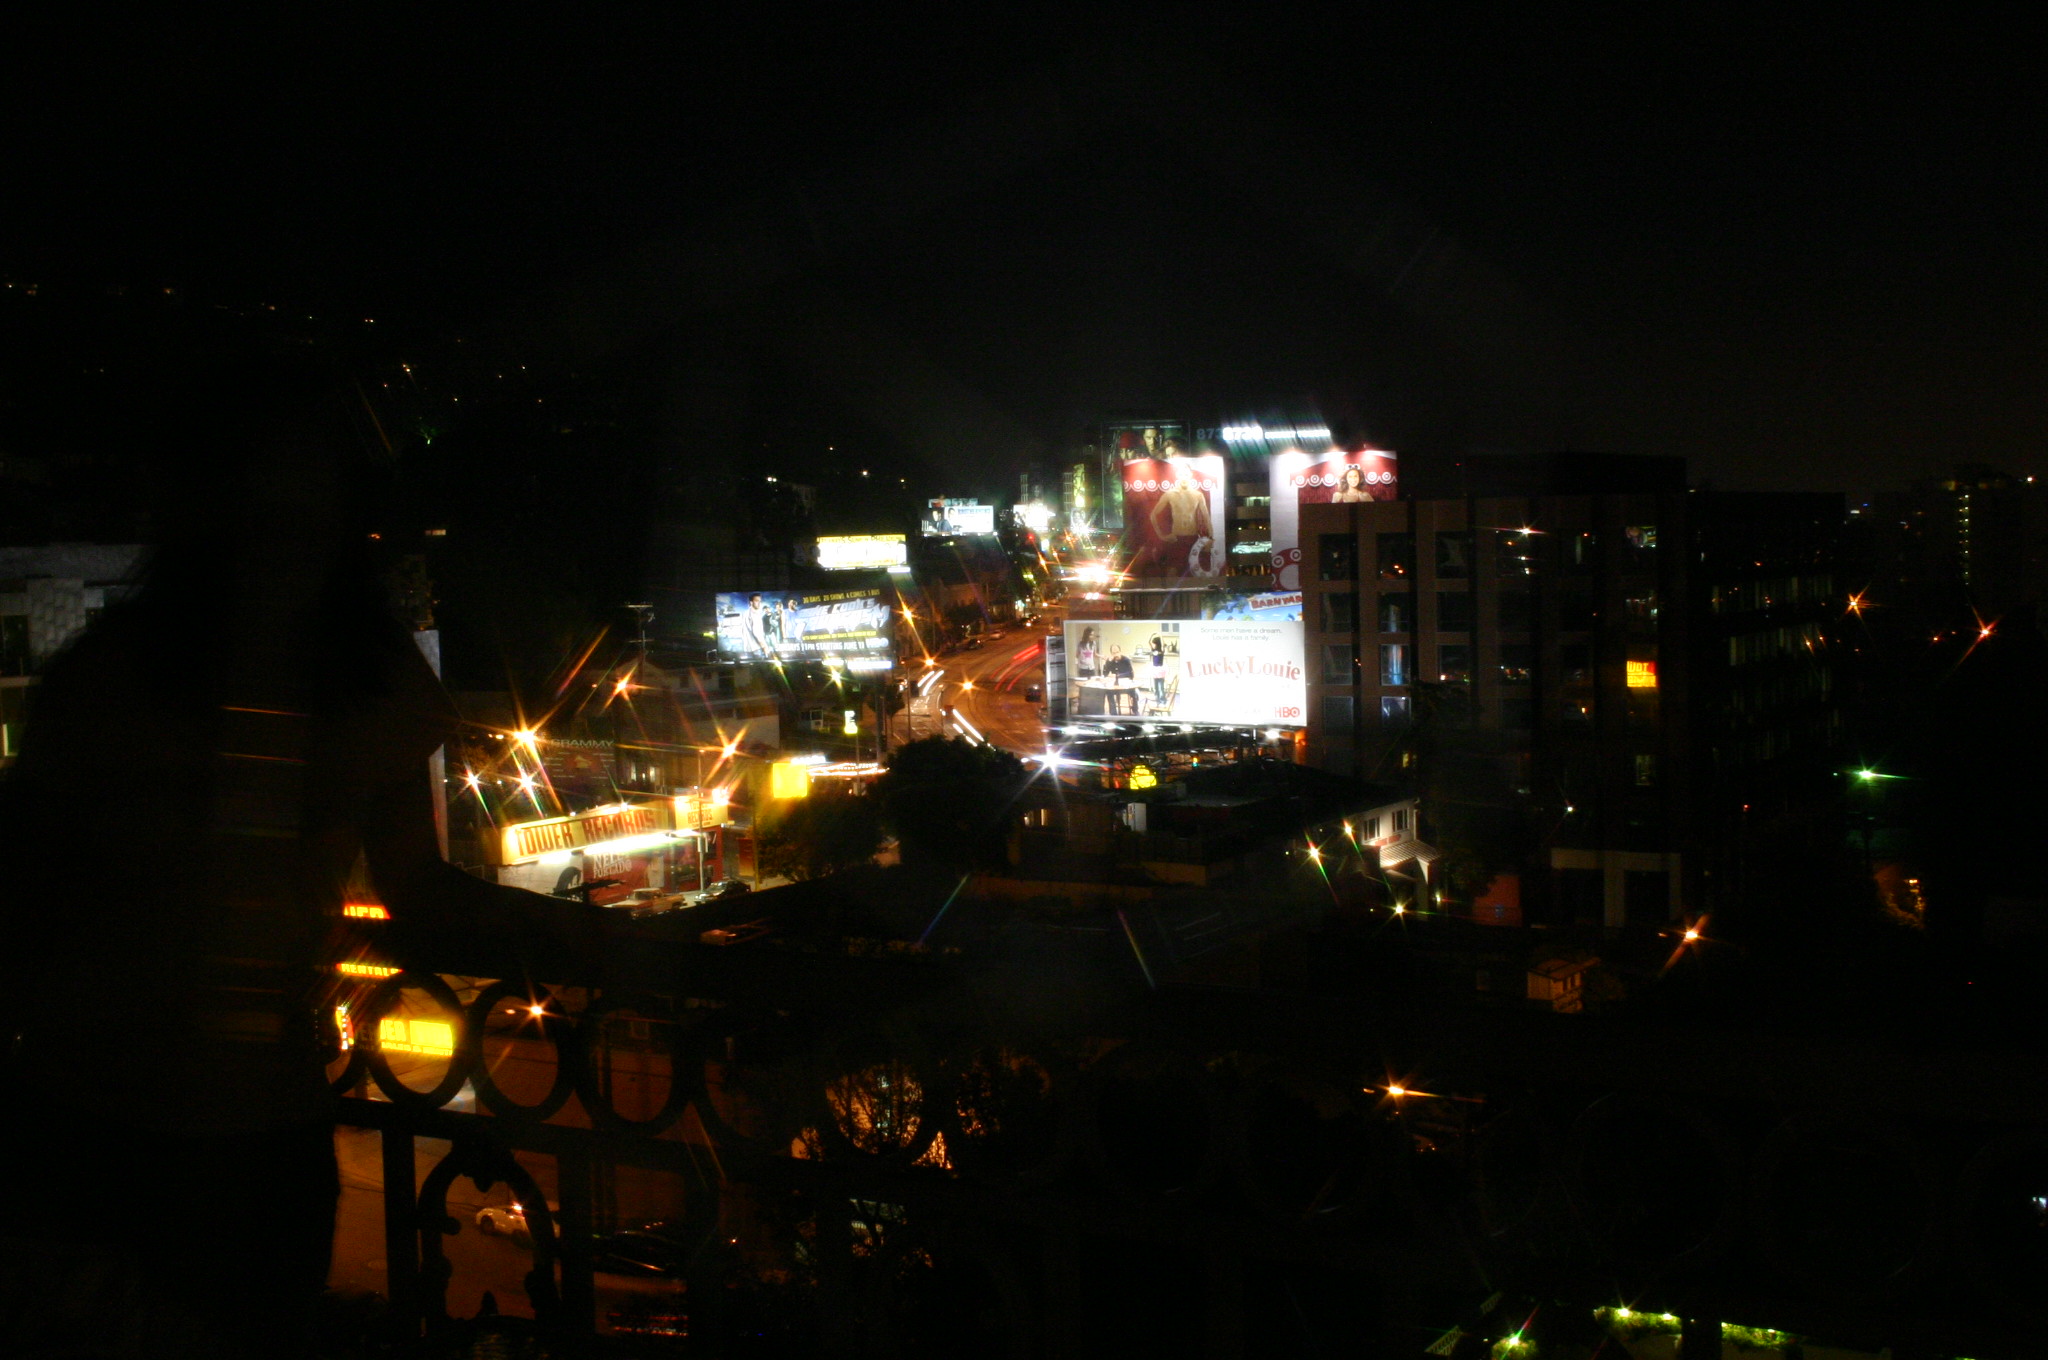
point(911, 1152)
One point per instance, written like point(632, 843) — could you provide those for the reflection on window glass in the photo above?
point(1454, 555)
point(1580, 551)
point(1454, 664)
point(1337, 556)
point(1575, 662)
point(1517, 662)
point(1646, 769)
point(1641, 607)
point(1340, 612)
point(1396, 556)
point(1642, 537)
point(1514, 553)
point(13, 644)
point(1340, 714)
point(1393, 663)
point(1340, 663)
point(1394, 709)
point(1397, 613)
point(1454, 611)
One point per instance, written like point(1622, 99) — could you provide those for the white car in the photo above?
point(508, 1220)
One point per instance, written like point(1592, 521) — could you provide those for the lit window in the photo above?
point(1393, 663)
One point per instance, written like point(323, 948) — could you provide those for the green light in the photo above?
point(1866, 775)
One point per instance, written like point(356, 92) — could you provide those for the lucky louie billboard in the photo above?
point(1337, 476)
point(1240, 672)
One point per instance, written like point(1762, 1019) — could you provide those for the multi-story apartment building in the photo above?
point(1626, 656)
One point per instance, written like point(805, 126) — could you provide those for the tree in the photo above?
point(948, 800)
point(819, 835)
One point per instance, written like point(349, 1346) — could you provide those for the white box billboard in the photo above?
point(1243, 672)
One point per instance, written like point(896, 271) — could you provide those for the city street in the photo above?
point(986, 689)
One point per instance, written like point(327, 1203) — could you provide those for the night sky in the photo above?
point(1801, 256)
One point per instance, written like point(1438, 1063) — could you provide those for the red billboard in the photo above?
point(1174, 515)
point(1340, 476)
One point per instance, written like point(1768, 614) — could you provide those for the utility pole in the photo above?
point(644, 613)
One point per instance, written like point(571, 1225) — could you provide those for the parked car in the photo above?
point(640, 1253)
point(712, 892)
point(508, 1220)
point(732, 935)
point(640, 1277)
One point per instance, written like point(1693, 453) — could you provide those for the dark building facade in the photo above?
point(1631, 662)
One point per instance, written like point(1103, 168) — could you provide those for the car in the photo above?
point(640, 1275)
point(509, 1220)
point(972, 644)
point(712, 892)
point(731, 935)
point(640, 1253)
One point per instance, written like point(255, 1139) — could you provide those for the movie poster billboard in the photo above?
point(1080, 497)
point(944, 518)
point(1283, 606)
point(1146, 440)
point(1174, 514)
point(864, 552)
point(1230, 671)
point(852, 627)
point(1342, 477)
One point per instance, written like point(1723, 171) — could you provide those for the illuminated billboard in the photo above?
point(946, 517)
point(1282, 606)
point(1151, 440)
point(864, 552)
point(1334, 477)
point(1173, 514)
point(1235, 671)
point(850, 627)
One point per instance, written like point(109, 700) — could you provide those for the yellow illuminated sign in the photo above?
point(375, 970)
point(855, 552)
point(525, 842)
point(1143, 778)
point(850, 727)
point(1642, 675)
point(428, 1038)
point(699, 811)
point(788, 779)
point(368, 911)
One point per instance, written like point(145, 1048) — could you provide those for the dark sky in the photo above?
point(1800, 255)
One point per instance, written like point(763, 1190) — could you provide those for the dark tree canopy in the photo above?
point(947, 799)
